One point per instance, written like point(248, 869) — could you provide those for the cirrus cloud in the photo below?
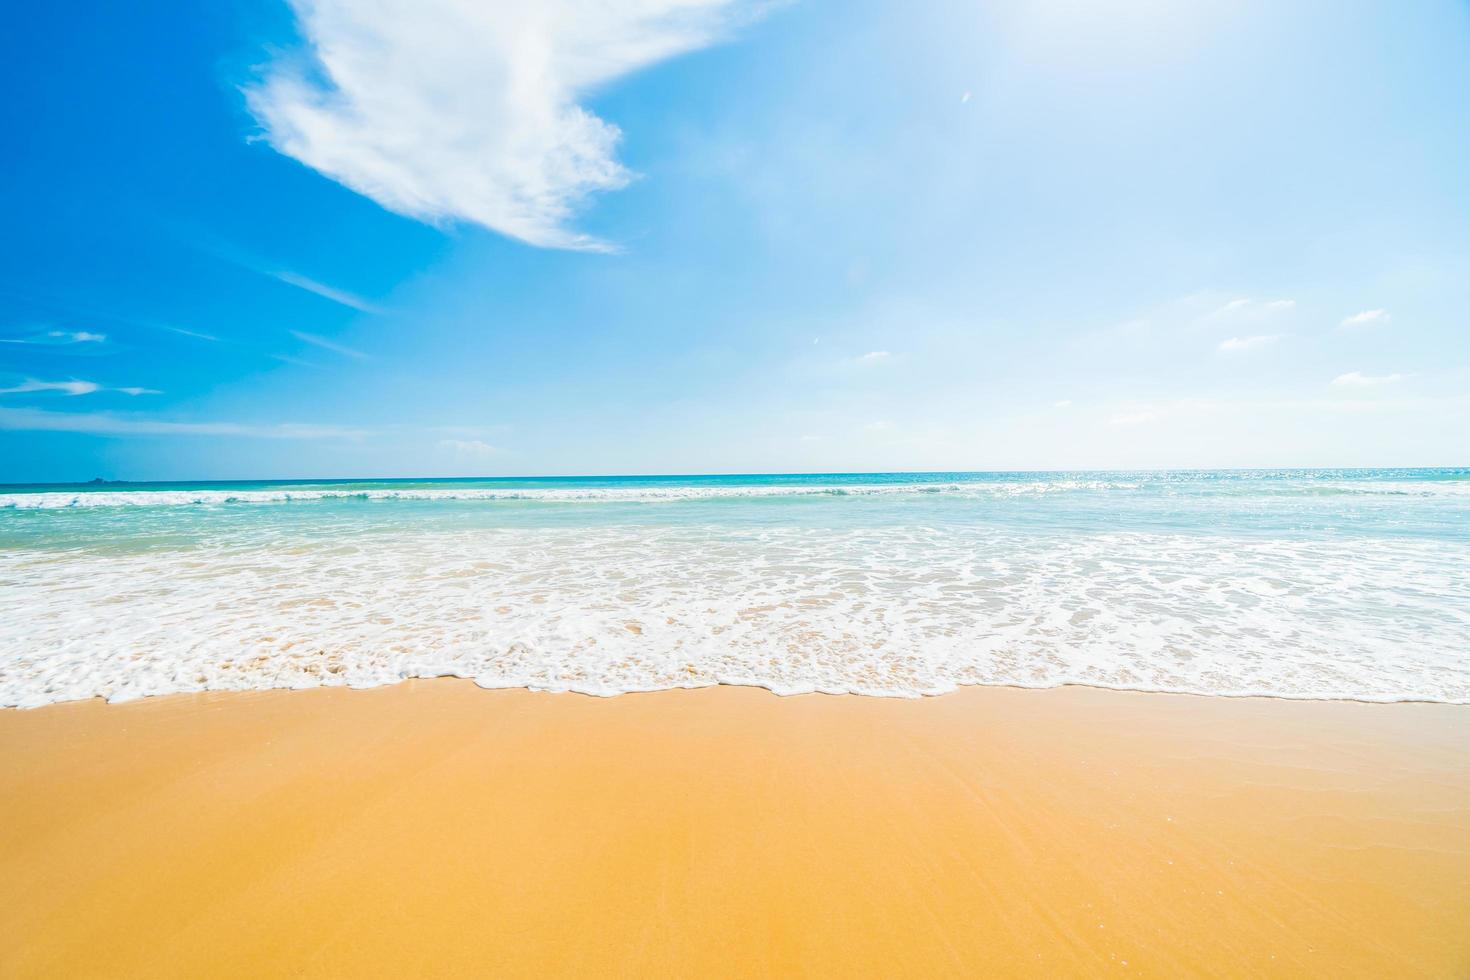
point(73, 387)
point(58, 338)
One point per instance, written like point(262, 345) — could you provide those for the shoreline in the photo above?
point(753, 686)
point(433, 826)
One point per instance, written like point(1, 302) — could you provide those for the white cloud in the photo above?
point(72, 387)
point(53, 338)
point(192, 333)
point(1367, 318)
point(469, 447)
point(1357, 379)
point(324, 344)
point(860, 362)
point(1249, 343)
point(96, 423)
point(1254, 308)
point(326, 292)
point(1064, 403)
point(461, 109)
point(1133, 418)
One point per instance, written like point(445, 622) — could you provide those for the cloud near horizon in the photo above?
point(1357, 379)
point(96, 423)
point(460, 110)
point(1253, 307)
point(1365, 318)
point(469, 447)
point(1249, 343)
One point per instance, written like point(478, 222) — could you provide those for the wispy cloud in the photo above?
point(1134, 418)
point(1249, 343)
point(469, 447)
point(1202, 313)
point(58, 338)
point(96, 423)
point(861, 362)
point(459, 109)
point(227, 251)
point(1367, 318)
point(321, 289)
point(191, 333)
point(1254, 307)
point(72, 387)
point(325, 344)
point(1357, 379)
point(1064, 403)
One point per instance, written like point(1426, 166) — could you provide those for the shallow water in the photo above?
point(1307, 583)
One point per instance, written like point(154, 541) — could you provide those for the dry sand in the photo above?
point(438, 829)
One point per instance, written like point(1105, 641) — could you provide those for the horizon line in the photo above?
point(100, 481)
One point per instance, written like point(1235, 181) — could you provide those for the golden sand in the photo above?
point(438, 829)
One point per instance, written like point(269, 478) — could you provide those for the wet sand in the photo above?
point(436, 829)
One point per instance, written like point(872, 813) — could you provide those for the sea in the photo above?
point(1342, 584)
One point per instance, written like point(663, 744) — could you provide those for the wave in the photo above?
point(68, 500)
point(53, 500)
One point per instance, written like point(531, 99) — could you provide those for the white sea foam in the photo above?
point(892, 611)
point(57, 500)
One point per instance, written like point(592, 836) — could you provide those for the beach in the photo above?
point(436, 828)
point(1210, 723)
point(735, 488)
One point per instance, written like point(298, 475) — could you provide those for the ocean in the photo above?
point(1290, 583)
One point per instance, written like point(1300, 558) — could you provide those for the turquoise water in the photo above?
point(1299, 583)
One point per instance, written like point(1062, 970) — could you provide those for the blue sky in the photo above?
point(246, 240)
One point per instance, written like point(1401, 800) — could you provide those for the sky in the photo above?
point(321, 239)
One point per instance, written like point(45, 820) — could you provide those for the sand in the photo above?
point(434, 828)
